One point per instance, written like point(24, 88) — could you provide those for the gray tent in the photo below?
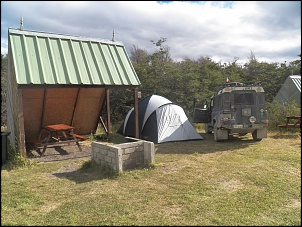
point(160, 121)
point(290, 90)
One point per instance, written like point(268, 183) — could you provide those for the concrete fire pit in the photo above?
point(125, 156)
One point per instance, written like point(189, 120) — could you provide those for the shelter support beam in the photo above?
point(108, 112)
point(75, 106)
point(21, 145)
point(136, 113)
point(43, 112)
point(43, 107)
point(104, 126)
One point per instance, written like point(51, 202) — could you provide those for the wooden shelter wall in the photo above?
point(13, 123)
point(79, 107)
point(87, 110)
point(32, 111)
point(59, 105)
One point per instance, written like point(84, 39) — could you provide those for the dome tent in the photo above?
point(160, 121)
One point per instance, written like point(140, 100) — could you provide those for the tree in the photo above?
point(138, 55)
point(4, 64)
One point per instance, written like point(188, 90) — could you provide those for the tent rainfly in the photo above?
point(290, 90)
point(160, 120)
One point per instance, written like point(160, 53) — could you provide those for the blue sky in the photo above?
point(220, 30)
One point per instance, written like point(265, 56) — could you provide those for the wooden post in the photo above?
point(74, 106)
point(136, 128)
point(42, 115)
point(108, 111)
point(21, 144)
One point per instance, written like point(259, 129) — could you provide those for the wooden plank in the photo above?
point(108, 111)
point(104, 126)
point(289, 125)
point(89, 105)
point(33, 111)
point(136, 120)
point(75, 105)
point(21, 146)
point(80, 137)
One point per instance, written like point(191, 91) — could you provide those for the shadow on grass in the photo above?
point(89, 171)
point(287, 135)
point(207, 145)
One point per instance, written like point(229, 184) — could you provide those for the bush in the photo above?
point(277, 113)
point(17, 161)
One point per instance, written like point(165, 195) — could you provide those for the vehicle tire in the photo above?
point(207, 129)
point(220, 134)
point(254, 134)
point(215, 132)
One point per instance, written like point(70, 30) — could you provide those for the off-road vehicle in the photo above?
point(235, 109)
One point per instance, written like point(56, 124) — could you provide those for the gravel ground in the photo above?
point(60, 153)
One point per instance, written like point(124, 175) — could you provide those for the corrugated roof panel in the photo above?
point(81, 63)
point(49, 73)
point(101, 72)
point(110, 66)
point(58, 63)
point(290, 90)
point(46, 67)
point(297, 81)
point(126, 67)
point(45, 58)
point(119, 64)
point(15, 42)
point(30, 55)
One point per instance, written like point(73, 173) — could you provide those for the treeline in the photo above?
point(183, 81)
point(4, 65)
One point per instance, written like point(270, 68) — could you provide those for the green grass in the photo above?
point(237, 182)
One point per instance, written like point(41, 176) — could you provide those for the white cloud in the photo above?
point(219, 30)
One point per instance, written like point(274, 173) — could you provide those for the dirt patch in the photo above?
point(60, 153)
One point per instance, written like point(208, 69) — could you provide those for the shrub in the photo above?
point(277, 113)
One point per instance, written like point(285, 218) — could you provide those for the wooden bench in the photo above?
point(289, 125)
point(38, 143)
point(80, 137)
point(297, 123)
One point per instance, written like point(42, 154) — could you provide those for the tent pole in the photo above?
point(136, 113)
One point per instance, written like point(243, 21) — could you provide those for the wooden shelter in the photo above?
point(62, 79)
point(290, 91)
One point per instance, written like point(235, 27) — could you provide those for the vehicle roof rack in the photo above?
point(233, 84)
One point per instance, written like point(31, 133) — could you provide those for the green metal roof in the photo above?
point(47, 58)
point(290, 90)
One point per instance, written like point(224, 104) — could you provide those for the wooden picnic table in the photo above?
point(296, 122)
point(59, 134)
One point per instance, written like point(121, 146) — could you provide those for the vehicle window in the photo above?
point(217, 102)
point(261, 100)
point(226, 100)
point(244, 99)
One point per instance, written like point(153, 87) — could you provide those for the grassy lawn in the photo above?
point(236, 182)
